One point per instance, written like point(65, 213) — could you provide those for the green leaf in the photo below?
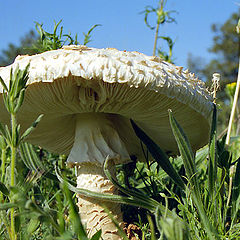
point(201, 155)
point(97, 235)
point(236, 193)
point(74, 215)
point(158, 218)
point(32, 225)
point(121, 233)
point(158, 155)
point(19, 100)
point(185, 151)
point(17, 223)
point(3, 131)
point(6, 206)
point(32, 161)
point(147, 11)
point(191, 171)
point(30, 129)
point(108, 164)
point(109, 197)
point(88, 35)
point(4, 189)
point(6, 101)
point(8, 135)
point(3, 84)
point(236, 182)
point(30, 157)
point(3, 144)
point(152, 228)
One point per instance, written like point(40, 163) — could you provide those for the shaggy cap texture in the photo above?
point(124, 85)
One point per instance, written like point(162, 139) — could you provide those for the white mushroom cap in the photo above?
point(76, 79)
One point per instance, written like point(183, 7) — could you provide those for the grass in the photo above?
point(195, 196)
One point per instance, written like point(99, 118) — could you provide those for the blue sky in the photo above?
point(122, 24)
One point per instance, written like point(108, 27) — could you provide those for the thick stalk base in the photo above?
point(93, 216)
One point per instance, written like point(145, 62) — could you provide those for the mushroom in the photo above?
point(88, 96)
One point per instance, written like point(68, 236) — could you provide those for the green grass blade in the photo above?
point(30, 129)
point(97, 235)
point(107, 197)
point(88, 35)
point(152, 228)
point(3, 144)
point(32, 161)
point(236, 193)
point(125, 190)
point(6, 206)
point(121, 233)
point(236, 183)
point(159, 156)
point(3, 84)
point(137, 196)
point(158, 218)
point(74, 215)
point(190, 167)
point(185, 151)
point(29, 156)
point(3, 131)
point(20, 100)
point(4, 189)
point(212, 163)
point(201, 155)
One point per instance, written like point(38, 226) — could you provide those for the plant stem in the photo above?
point(3, 158)
point(157, 28)
point(13, 160)
point(229, 131)
point(155, 39)
point(13, 163)
point(233, 107)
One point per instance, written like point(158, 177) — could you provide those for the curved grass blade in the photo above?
point(30, 129)
point(106, 197)
point(134, 194)
point(158, 155)
point(158, 218)
point(125, 190)
point(185, 150)
point(87, 36)
point(32, 161)
point(191, 171)
point(30, 157)
point(6, 206)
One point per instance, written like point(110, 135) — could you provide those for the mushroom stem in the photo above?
point(91, 177)
point(95, 140)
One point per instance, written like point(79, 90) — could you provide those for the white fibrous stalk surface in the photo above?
point(95, 140)
point(92, 213)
